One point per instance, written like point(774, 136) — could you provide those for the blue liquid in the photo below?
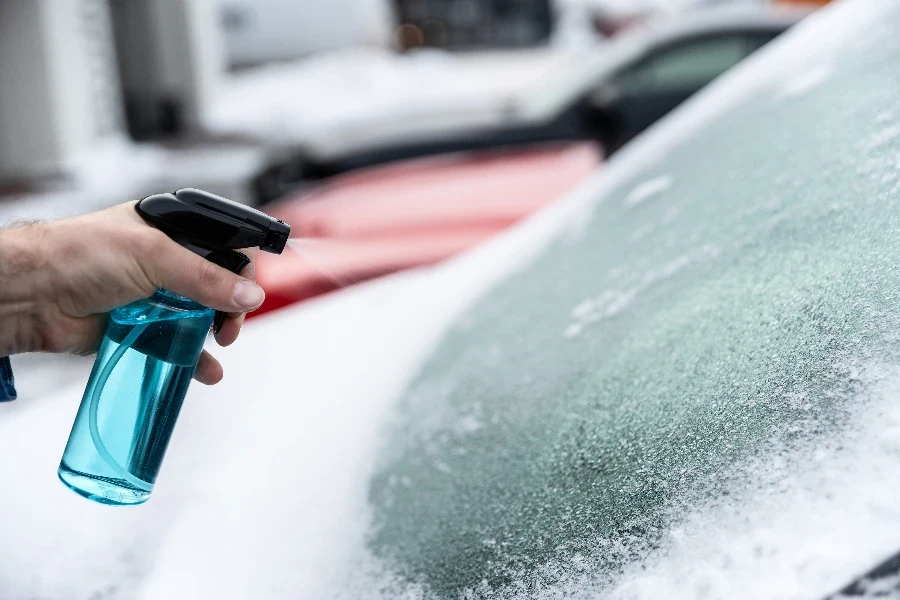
point(145, 363)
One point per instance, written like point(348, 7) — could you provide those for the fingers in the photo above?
point(209, 370)
point(185, 273)
point(231, 327)
point(179, 270)
point(250, 270)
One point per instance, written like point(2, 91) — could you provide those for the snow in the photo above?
point(795, 527)
point(57, 545)
point(885, 136)
point(107, 174)
point(118, 170)
point(356, 95)
point(648, 189)
point(817, 75)
point(614, 301)
point(795, 533)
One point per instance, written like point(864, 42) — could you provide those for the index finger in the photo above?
point(178, 269)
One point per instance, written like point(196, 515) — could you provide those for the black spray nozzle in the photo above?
point(204, 221)
point(214, 227)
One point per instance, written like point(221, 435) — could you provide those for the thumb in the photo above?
point(181, 271)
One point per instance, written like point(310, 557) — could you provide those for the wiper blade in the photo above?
point(881, 582)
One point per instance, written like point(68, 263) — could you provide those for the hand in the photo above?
point(59, 279)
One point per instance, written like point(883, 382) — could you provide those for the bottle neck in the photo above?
point(164, 296)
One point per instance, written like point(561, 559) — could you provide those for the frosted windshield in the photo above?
point(698, 385)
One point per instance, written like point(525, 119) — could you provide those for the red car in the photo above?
point(379, 220)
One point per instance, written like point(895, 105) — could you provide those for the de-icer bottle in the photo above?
point(149, 352)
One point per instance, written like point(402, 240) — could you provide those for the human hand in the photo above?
point(59, 279)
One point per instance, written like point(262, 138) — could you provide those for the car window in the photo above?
point(757, 40)
point(551, 93)
point(682, 363)
point(687, 65)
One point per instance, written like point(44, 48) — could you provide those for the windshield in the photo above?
point(689, 386)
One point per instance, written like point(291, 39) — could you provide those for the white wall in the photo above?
point(286, 29)
point(28, 134)
point(58, 91)
point(189, 61)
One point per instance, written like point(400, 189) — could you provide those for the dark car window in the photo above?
point(687, 65)
point(687, 360)
point(757, 40)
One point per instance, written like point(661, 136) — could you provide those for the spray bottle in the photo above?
point(150, 349)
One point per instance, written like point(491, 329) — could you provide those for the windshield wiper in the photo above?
point(882, 581)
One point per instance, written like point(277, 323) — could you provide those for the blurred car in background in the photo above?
point(464, 24)
point(607, 94)
point(412, 213)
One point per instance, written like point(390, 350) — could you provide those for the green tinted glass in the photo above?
point(687, 65)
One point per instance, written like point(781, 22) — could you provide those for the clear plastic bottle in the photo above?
point(145, 363)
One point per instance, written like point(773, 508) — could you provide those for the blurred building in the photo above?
point(78, 73)
point(170, 60)
point(257, 31)
point(460, 24)
point(59, 95)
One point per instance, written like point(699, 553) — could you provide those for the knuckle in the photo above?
point(209, 275)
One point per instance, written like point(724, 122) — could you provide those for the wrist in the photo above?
point(21, 276)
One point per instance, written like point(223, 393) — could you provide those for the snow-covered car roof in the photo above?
point(712, 412)
point(305, 102)
point(358, 100)
point(546, 83)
